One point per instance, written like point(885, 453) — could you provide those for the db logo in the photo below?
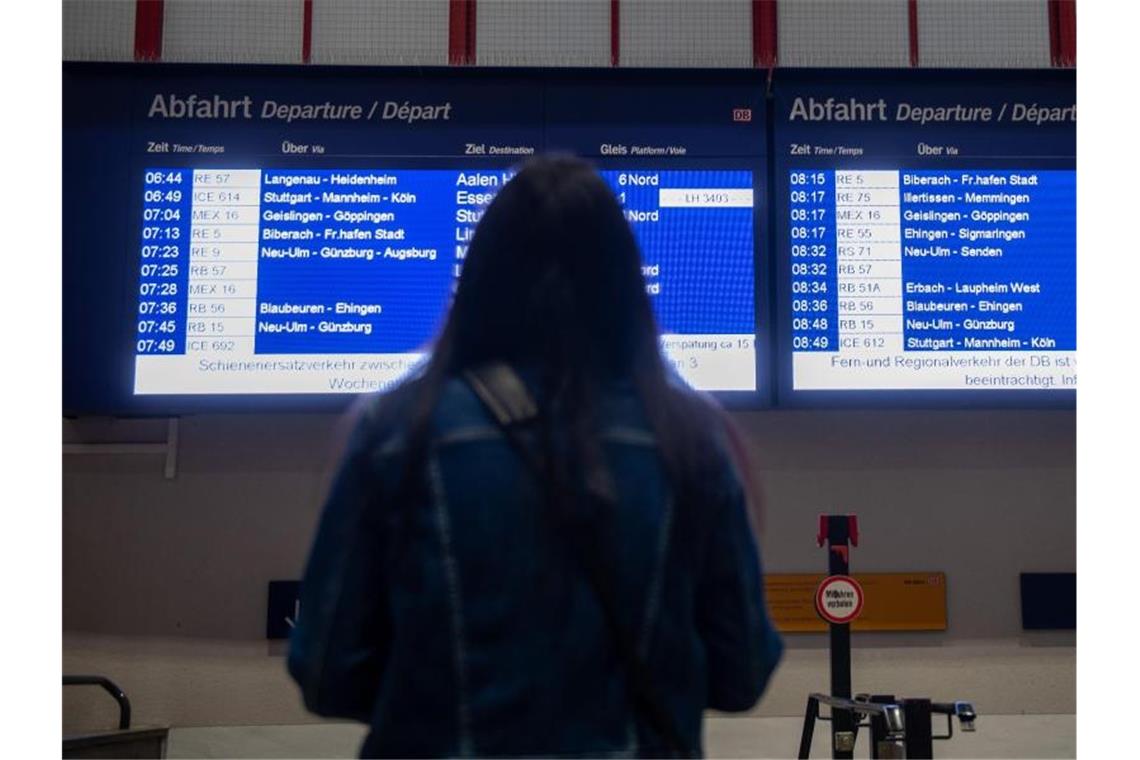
point(742, 114)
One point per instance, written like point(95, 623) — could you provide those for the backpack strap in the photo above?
point(507, 398)
point(504, 394)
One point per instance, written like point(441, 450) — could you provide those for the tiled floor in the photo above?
point(998, 736)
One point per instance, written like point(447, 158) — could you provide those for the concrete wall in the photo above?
point(164, 581)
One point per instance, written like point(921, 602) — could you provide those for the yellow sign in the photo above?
point(892, 602)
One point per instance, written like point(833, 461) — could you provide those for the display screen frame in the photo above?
point(787, 81)
point(99, 323)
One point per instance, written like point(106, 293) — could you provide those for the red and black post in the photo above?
point(840, 533)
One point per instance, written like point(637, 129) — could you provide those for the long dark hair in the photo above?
point(552, 281)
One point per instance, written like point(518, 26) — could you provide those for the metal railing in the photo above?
point(111, 688)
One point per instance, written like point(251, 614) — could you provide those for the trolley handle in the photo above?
point(963, 711)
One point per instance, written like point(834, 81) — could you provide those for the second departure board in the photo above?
point(926, 238)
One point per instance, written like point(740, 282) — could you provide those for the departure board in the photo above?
point(927, 238)
point(286, 237)
point(334, 280)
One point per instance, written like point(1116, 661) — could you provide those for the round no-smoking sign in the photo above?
point(839, 599)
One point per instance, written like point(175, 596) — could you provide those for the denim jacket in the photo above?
point(462, 626)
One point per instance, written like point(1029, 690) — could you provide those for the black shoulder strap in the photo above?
point(506, 397)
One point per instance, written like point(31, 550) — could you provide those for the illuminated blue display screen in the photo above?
point(238, 264)
point(926, 239)
point(236, 235)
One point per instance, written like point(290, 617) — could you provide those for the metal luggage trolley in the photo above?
point(888, 720)
point(899, 727)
